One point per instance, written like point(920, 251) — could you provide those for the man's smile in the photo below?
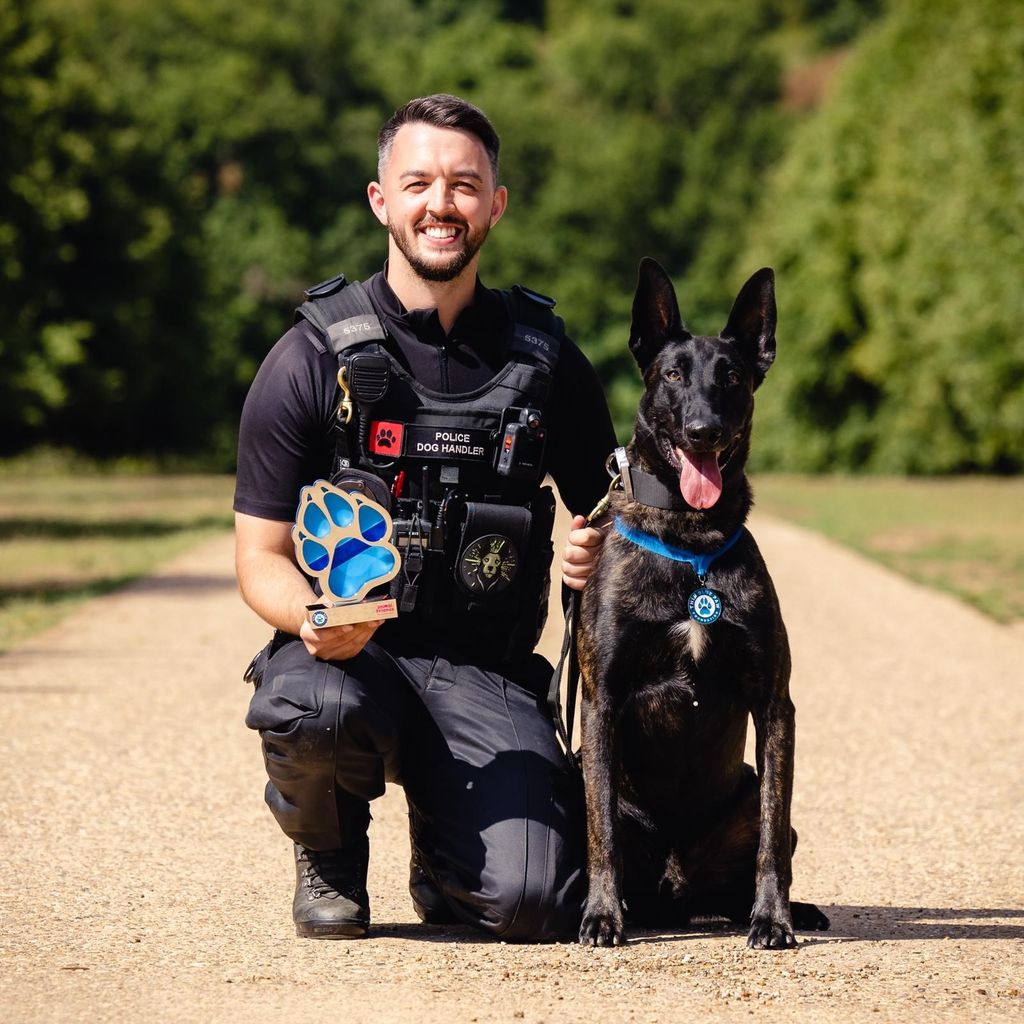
point(443, 233)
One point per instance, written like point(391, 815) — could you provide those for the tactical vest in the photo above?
point(460, 473)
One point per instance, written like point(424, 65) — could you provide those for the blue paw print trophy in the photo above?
point(343, 540)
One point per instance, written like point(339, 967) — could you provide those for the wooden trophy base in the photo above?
point(320, 616)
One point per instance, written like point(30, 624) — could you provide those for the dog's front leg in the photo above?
point(602, 918)
point(771, 922)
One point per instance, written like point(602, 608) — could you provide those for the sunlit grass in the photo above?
point(64, 539)
point(962, 535)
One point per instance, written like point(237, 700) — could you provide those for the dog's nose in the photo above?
point(703, 433)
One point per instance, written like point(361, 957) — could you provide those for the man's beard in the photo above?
point(449, 269)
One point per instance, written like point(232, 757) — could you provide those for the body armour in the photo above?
point(460, 473)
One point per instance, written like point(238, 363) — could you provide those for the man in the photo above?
point(447, 700)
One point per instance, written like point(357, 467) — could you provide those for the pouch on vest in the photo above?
point(492, 552)
point(501, 576)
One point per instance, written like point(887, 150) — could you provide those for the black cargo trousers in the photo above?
point(496, 814)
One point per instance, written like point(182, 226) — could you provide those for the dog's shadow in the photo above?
point(850, 923)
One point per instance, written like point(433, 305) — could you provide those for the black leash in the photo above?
point(564, 724)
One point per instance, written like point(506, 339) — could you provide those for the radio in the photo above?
point(521, 444)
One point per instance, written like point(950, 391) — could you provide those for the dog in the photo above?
point(675, 653)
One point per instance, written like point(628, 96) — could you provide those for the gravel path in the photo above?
point(145, 880)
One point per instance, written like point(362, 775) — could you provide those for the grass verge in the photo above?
point(963, 535)
point(68, 538)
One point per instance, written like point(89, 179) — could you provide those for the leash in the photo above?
point(569, 656)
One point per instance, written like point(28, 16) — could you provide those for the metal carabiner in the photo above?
point(345, 406)
point(602, 506)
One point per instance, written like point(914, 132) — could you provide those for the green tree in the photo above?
point(645, 130)
point(896, 227)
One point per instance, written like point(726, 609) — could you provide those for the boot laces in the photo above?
point(332, 874)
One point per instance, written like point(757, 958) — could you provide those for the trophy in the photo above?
point(343, 540)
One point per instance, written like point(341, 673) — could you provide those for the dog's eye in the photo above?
point(732, 378)
point(673, 375)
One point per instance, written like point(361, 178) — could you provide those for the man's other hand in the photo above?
point(582, 547)
point(336, 643)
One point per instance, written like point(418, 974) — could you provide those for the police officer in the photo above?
point(462, 397)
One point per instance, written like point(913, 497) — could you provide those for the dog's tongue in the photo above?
point(700, 482)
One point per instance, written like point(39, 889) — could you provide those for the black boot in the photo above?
point(427, 901)
point(330, 892)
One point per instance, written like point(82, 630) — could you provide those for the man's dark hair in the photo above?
point(442, 111)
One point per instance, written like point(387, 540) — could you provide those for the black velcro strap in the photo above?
point(355, 329)
point(534, 342)
point(328, 287)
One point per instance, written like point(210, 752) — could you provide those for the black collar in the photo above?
point(647, 489)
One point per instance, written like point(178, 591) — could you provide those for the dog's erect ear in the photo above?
point(752, 320)
point(655, 314)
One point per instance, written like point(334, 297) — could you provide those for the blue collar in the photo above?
point(700, 563)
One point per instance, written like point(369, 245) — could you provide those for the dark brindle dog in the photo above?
point(676, 651)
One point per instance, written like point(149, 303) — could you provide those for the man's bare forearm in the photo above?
point(272, 586)
point(268, 578)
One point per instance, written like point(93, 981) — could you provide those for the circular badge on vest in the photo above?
point(489, 564)
point(705, 606)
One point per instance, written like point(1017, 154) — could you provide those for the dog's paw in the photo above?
point(602, 927)
point(343, 540)
point(767, 932)
point(808, 918)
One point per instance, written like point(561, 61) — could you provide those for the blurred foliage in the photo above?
point(174, 174)
point(896, 226)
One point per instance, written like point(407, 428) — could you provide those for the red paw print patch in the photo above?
point(386, 437)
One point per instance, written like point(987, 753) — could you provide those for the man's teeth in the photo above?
point(440, 232)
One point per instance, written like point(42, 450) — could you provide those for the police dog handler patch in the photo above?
point(414, 440)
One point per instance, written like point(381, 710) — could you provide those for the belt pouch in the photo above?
point(493, 555)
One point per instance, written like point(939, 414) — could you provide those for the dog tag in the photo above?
point(705, 606)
